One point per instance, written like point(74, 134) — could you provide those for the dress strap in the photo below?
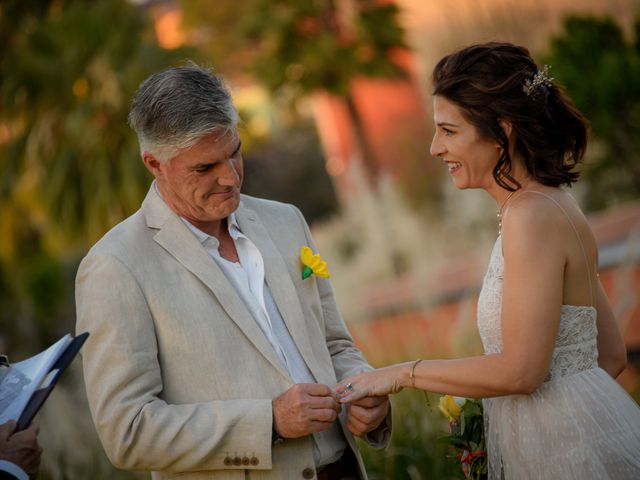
point(584, 252)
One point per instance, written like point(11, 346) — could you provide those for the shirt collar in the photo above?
point(232, 225)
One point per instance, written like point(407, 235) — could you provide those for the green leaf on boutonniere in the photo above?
point(312, 264)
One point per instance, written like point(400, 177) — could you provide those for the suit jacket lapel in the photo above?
point(174, 236)
point(282, 288)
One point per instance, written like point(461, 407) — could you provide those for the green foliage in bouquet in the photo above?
point(466, 434)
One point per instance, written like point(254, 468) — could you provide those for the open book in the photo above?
point(24, 386)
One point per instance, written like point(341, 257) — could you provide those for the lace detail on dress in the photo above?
point(490, 302)
point(576, 346)
point(576, 343)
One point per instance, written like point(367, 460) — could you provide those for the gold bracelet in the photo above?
point(412, 372)
point(412, 377)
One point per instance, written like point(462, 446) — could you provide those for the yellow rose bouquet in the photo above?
point(466, 434)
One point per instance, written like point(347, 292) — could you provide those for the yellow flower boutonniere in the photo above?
point(312, 264)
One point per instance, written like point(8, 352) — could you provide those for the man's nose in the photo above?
point(228, 173)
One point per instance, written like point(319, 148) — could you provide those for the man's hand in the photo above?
point(304, 409)
point(367, 414)
point(21, 447)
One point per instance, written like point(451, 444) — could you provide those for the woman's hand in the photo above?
point(377, 383)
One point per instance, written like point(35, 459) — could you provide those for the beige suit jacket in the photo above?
point(179, 376)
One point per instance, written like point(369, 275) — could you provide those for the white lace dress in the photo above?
point(580, 424)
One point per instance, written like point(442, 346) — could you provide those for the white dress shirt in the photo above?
point(248, 278)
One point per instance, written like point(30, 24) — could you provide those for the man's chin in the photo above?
point(226, 208)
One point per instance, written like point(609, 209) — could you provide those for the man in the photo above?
point(209, 356)
point(19, 452)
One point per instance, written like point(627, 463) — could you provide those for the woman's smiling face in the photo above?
point(469, 157)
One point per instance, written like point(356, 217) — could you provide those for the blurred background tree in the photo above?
point(601, 69)
point(310, 46)
point(70, 164)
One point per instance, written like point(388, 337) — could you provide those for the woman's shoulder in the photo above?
point(535, 207)
point(539, 215)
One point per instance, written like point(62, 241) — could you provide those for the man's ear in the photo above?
point(152, 163)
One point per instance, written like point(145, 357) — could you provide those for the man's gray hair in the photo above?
point(173, 109)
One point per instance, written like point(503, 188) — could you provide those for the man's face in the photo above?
point(202, 183)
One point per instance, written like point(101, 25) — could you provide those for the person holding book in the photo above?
point(212, 348)
point(19, 452)
point(552, 344)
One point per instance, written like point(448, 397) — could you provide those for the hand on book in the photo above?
point(25, 385)
point(20, 448)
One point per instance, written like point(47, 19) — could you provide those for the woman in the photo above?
point(552, 345)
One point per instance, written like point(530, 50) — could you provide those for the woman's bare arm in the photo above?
point(612, 354)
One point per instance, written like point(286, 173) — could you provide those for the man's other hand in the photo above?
point(367, 414)
point(304, 409)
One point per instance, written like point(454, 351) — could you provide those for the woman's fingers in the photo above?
point(350, 389)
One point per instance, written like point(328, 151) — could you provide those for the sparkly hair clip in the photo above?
point(530, 87)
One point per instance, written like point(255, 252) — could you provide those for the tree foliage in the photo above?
point(601, 71)
point(308, 45)
point(70, 164)
point(299, 46)
point(323, 45)
point(68, 76)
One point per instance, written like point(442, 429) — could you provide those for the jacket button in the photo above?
point(254, 461)
point(308, 473)
point(227, 460)
point(237, 461)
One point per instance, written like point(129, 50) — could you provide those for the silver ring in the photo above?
point(348, 386)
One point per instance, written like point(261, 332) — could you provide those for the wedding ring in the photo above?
point(348, 386)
